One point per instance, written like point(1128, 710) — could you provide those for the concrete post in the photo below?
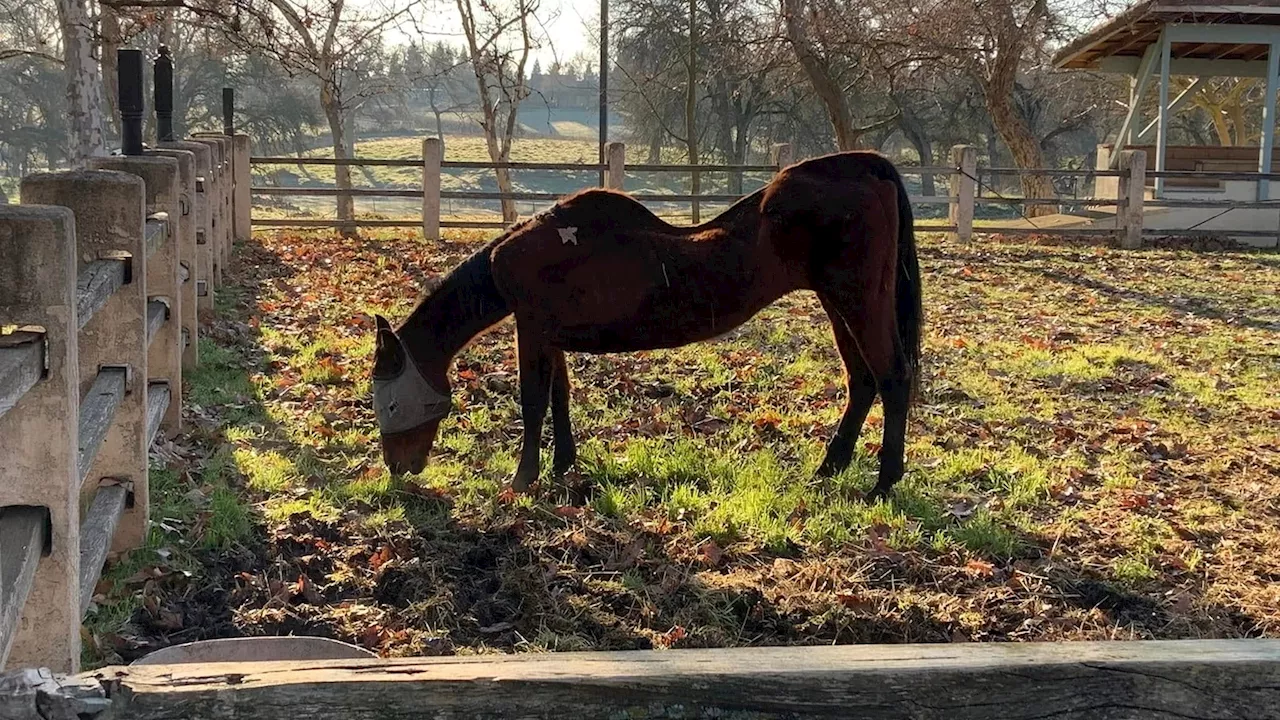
point(161, 177)
point(964, 186)
point(226, 193)
point(1129, 198)
point(242, 203)
point(432, 157)
point(782, 154)
point(213, 202)
point(110, 210)
point(616, 157)
point(182, 306)
point(39, 439)
point(202, 268)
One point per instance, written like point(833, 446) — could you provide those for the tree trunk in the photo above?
point(818, 72)
point(332, 106)
point(111, 41)
point(914, 131)
point(431, 98)
point(655, 146)
point(1024, 148)
point(84, 83)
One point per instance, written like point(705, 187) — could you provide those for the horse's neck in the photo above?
point(743, 213)
point(465, 304)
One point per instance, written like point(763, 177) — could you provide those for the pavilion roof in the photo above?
point(1132, 31)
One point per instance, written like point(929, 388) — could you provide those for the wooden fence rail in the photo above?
point(968, 186)
point(104, 270)
point(968, 681)
point(964, 182)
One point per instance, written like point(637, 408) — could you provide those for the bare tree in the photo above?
point(323, 39)
point(499, 43)
point(991, 41)
point(832, 40)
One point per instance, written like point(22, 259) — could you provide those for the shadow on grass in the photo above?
point(515, 574)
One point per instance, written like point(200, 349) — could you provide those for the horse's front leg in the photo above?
point(566, 452)
point(536, 369)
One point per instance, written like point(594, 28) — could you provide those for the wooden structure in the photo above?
point(432, 163)
point(1157, 39)
point(1082, 681)
point(98, 290)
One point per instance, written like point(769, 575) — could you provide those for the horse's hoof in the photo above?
point(560, 468)
point(878, 493)
point(521, 483)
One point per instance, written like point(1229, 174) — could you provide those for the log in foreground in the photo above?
point(1167, 679)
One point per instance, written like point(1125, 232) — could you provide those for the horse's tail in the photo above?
point(910, 311)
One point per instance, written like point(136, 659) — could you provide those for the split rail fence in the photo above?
point(104, 271)
point(968, 186)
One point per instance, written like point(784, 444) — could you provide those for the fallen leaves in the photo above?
point(1066, 394)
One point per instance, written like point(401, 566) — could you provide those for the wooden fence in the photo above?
point(103, 273)
point(965, 681)
point(968, 186)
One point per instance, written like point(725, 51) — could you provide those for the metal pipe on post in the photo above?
point(129, 76)
point(229, 112)
point(604, 86)
point(163, 78)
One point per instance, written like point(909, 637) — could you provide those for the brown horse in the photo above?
point(599, 273)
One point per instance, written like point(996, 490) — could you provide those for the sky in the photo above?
point(570, 27)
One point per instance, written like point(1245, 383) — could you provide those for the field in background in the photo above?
point(1095, 456)
point(472, 148)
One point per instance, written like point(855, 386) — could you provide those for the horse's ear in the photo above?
point(388, 353)
point(386, 345)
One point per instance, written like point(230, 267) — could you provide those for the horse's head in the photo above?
point(408, 407)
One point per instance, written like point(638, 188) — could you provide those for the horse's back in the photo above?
point(601, 273)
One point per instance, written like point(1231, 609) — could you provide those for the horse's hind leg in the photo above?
point(895, 392)
point(566, 453)
point(862, 393)
point(867, 318)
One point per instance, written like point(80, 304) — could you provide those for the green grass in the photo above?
point(1090, 419)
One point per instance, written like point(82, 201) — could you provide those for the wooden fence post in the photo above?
point(38, 444)
point(432, 157)
point(963, 187)
point(1131, 191)
point(243, 202)
point(616, 157)
point(782, 155)
point(201, 265)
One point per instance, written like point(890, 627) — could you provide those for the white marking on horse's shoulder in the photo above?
point(568, 236)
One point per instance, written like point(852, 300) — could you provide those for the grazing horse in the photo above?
point(599, 273)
